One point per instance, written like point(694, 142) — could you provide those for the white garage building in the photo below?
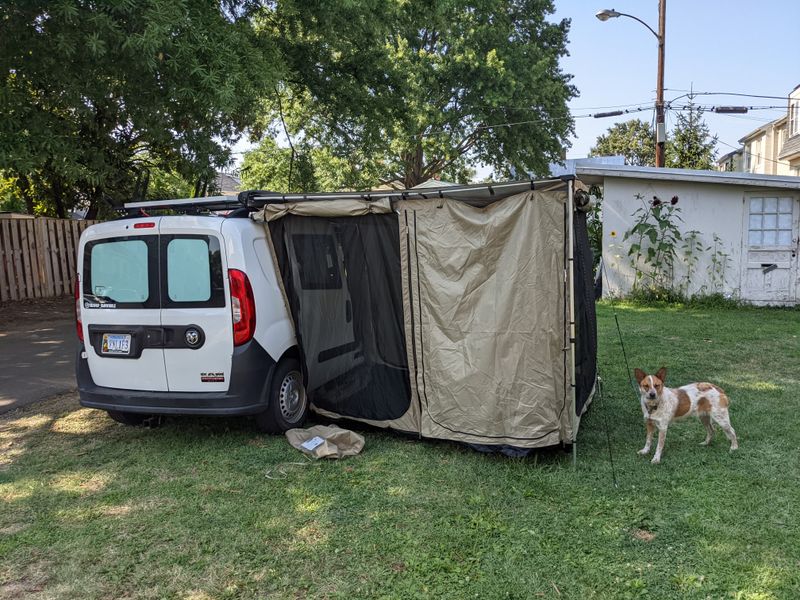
point(755, 217)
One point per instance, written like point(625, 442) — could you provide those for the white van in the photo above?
point(185, 315)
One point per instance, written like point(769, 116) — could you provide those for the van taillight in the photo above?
point(243, 307)
point(78, 322)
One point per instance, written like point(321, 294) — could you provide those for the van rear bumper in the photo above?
point(251, 375)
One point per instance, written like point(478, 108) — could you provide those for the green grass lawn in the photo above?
point(204, 508)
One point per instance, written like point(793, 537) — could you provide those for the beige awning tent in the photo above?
point(461, 313)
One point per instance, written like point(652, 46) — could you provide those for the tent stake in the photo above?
point(574, 454)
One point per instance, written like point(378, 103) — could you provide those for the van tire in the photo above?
point(128, 418)
point(288, 400)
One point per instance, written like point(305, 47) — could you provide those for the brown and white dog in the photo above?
point(662, 405)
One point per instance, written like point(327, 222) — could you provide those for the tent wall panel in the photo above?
point(489, 326)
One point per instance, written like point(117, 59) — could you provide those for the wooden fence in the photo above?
point(38, 257)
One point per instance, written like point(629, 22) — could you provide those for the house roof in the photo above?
point(595, 174)
point(790, 147)
point(228, 184)
point(774, 123)
point(433, 184)
point(730, 154)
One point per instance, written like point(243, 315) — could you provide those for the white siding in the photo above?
point(708, 208)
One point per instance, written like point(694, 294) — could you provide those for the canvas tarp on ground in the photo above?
point(450, 317)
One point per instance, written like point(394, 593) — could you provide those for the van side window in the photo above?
point(317, 261)
point(188, 271)
point(193, 271)
point(118, 272)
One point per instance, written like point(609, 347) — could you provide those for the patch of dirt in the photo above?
point(31, 580)
point(37, 310)
point(13, 529)
point(643, 535)
point(398, 567)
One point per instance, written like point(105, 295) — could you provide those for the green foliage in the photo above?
point(165, 184)
point(654, 249)
point(10, 198)
point(714, 300)
point(302, 169)
point(691, 145)
point(655, 296)
point(407, 90)
point(96, 94)
point(594, 225)
point(692, 248)
point(676, 298)
point(634, 139)
point(720, 262)
point(657, 244)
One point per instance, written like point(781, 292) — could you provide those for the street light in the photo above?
point(606, 14)
point(661, 134)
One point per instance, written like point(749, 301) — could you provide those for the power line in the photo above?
point(746, 118)
point(536, 108)
point(692, 93)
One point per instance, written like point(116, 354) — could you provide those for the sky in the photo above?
point(711, 46)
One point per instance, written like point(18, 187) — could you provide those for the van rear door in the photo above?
point(195, 314)
point(317, 264)
point(120, 284)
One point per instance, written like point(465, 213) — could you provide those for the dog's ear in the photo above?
point(662, 374)
point(639, 374)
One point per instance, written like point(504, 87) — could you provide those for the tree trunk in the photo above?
point(24, 186)
point(414, 166)
point(58, 198)
point(94, 203)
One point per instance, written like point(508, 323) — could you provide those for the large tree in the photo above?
point(94, 94)
point(634, 139)
point(691, 145)
point(411, 89)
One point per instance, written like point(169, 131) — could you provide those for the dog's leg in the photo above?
point(649, 440)
point(722, 418)
point(705, 419)
point(662, 434)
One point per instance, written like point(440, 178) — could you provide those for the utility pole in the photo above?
point(661, 132)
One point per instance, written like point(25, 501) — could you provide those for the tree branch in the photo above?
point(438, 165)
point(288, 137)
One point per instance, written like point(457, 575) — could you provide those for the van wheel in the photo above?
point(288, 401)
point(132, 419)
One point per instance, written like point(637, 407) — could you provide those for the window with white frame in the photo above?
point(770, 222)
point(794, 117)
point(753, 156)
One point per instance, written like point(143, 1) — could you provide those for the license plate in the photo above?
point(116, 343)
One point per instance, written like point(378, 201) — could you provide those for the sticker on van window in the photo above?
point(88, 304)
point(212, 377)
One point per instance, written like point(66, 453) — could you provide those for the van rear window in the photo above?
point(188, 271)
point(193, 271)
point(118, 272)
